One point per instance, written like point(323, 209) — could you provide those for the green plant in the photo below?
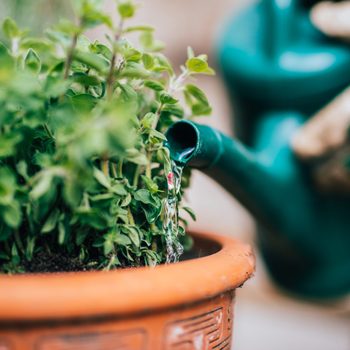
point(83, 165)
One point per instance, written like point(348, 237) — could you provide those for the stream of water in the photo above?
point(171, 213)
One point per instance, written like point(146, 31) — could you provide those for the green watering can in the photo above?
point(279, 71)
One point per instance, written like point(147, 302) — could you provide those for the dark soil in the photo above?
point(51, 262)
point(45, 261)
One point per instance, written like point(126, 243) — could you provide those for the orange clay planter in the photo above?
point(188, 305)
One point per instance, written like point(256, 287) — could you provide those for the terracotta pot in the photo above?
point(188, 305)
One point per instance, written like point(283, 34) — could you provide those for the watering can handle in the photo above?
point(280, 29)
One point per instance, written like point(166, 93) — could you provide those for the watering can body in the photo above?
point(279, 70)
point(273, 59)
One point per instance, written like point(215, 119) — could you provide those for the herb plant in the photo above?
point(83, 162)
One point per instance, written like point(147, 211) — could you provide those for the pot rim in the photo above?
point(55, 296)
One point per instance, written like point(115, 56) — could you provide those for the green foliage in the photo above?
point(126, 9)
point(83, 162)
point(11, 29)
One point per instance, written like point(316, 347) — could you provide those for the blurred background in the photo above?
point(266, 318)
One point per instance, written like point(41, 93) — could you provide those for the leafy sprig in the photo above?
point(83, 162)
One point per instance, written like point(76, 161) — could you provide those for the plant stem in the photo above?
point(105, 167)
point(136, 176)
point(131, 217)
point(120, 168)
point(114, 170)
point(70, 54)
point(149, 164)
point(109, 265)
point(48, 131)
point(110, 77)
point(158, 112)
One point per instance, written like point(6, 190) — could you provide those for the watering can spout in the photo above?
point(227, 161)
point(296, 219)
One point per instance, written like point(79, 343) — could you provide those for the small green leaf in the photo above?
point(121, 239)
point(101, 49)
point(165, 98)
point(138, 29)
point(162, 64)
point(197, 100)
point(190, 212)
point(101, 178)
point(93, 16)
point(86, 80)
point(36, 44)
point(200, 109)
point(108, 246)
point(12, 214)
point(61, 233)
point(91, 60)
point(84, 102)
point(154, 85)
point(51, 222)
point(148, 120)
point(30, 246)
point(151, 257)
point(22, 169)
point(134, 70)
point(7, 186)
point(10, 29)
point(143, 196)
point(126, 201)
point(152, 213)
point(135, 156)
point(197, 93)
point(119, 189)
point(8, 143)
point(6, 64)
point(148, 61)
point(199, 65)
point(126, 9)
point(133, 233)
point(174, 109)
point(158, 135)
point(42, 186)
point(32, 61)
point(15, 258)
point(151, 185)
point(129, 52)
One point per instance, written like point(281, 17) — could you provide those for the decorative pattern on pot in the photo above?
point(206, 331)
